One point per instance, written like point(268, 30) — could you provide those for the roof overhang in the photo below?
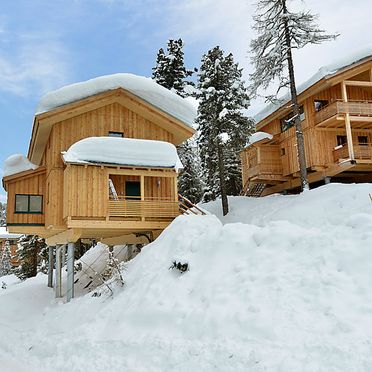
point(43, 123)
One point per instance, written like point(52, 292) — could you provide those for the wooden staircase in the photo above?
point(253, 189)
point(187, 207)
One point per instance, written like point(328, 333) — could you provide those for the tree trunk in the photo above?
point(221, 170)
point(296, 107)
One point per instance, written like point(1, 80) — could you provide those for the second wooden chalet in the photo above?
point(336, 115)
point(102, 163)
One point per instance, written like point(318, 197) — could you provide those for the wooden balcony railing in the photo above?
point(354, 108)
point(149, 208)
point(361, 152)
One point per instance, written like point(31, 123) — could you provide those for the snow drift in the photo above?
point(281, 284)
point(142, 87)
point(123, 151)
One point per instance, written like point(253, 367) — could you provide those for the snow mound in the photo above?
point(285, 287)
point(323, 72)
point(123, 151)
point(142, 87)
point(4, 234)
point(17, 163)
point(258, 136)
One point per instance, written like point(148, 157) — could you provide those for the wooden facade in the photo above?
point(337, 127)
point(76, 198)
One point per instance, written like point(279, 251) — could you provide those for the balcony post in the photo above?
point(142, 196)
point(349, 136)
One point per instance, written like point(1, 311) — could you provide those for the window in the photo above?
point(116, 134)
point(29, 204)
point(287, 121)
point(133, 190)
point(363, 140)
point(282, 151)
point(320, 104)
point(341, 140)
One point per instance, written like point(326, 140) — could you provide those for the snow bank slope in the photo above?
point(285, 293)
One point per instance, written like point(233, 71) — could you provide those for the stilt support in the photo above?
point(70, 271)
point(50, 266)
point(327, 180)
point(58, 281)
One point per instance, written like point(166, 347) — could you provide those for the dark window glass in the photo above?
point(28, 204)
point(320, 104)
point(341, 140)
point(21, 203)
point(36, 203)
point(288, 121)
point(116, 134)
point(363, 140)
point(133, 190)
point(282, 151)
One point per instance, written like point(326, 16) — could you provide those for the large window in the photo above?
point(29, 204)
point(133, 190)
point(288, 121)
point(320, 104)
point(116, 134)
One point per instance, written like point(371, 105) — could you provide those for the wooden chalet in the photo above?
point(118, 202)
point(336, 116)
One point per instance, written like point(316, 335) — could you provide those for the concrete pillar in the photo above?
point(63, 252)
point(50, 266)
point(70, 271)
point(58, 281)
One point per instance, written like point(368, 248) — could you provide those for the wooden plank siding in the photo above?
point(33, 183)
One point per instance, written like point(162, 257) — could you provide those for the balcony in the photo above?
point(362, 152)
point(333, 115)
point(262, 163)
point(149, 209)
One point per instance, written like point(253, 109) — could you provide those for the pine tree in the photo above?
point(170, 71)
point(222, 126)
point(279, 32)
point(32, 254)
point(5, 259)
point(189, 184)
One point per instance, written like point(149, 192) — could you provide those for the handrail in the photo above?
point(352, 107)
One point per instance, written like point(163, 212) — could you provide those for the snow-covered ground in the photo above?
point(283, 283)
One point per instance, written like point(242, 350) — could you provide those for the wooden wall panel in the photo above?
point(30, 185)
point(99, 122)
point(86, 191)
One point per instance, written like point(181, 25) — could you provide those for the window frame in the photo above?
point(115, 134)
point(28, 204)
point(290, 123)
point(341, 137)
point(361, 143)
point(322, 104)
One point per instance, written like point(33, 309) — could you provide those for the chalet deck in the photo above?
point(336, 115)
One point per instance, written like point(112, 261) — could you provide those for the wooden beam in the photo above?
point(349, 135)
point(125, 239)
point(67, 236)
point(356, 83)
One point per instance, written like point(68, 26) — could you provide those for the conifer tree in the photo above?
point(170, 71)
point(222, 126)
point(279, 32)
point(5, 260)
point(189, 184)
point(32, 255)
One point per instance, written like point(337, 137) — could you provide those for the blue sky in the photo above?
point(46, 44)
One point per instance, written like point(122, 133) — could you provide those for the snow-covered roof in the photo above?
point(17, 163)
point(5, 235)
point(323, 72)
point(123, 151)
point(258, 136)
point(142, 87)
